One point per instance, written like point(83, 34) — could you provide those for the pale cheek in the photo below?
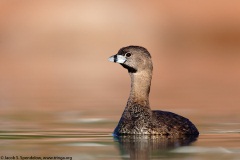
point(141, 64)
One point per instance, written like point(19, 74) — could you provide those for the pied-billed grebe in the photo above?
point(137, 117)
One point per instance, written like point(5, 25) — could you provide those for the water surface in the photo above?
point(54, 137)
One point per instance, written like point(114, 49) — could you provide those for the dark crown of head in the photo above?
point(123, 50)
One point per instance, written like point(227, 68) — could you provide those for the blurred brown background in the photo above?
point(53, 55)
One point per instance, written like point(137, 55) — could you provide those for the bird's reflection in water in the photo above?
point(141, 147)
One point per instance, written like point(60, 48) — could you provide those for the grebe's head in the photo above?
point(133, 58)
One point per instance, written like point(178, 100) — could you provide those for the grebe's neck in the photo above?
point(140, 87)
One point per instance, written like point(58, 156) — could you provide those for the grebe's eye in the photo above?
point(128, 54)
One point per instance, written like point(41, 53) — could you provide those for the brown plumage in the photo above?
point(137, 117)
